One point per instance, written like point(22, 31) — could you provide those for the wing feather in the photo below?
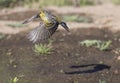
point(30, 19)
point(41, 32)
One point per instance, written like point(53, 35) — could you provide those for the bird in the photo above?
point(47, 27)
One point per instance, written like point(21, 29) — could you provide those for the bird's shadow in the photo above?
point(93, 68)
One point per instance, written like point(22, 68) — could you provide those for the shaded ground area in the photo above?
point(68, 63)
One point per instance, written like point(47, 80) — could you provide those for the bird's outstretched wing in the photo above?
point(30, 19)
point(41, 32)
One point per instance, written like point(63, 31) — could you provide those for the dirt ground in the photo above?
point(69, 62)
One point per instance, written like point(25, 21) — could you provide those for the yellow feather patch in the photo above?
point(44, 18)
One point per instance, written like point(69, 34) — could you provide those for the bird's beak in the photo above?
point(30, 19)
point(64, 25)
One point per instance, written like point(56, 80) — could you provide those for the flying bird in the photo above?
point(48, 25)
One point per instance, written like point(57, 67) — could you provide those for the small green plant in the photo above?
point(89, 43)
point(101, 45)
point(14, 80)
point(42, 49)
point(102, 81)
point(77, 18)
point(16, 25)
point(104, 45)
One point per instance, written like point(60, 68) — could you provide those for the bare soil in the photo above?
point(69, 62)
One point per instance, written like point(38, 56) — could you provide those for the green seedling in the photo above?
point(101, 45)
point(77, 18)
point(89, 43)
point(105, 45)
point(14, 80)
point(70, 18)
point(42, 49)
point(16, 25)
